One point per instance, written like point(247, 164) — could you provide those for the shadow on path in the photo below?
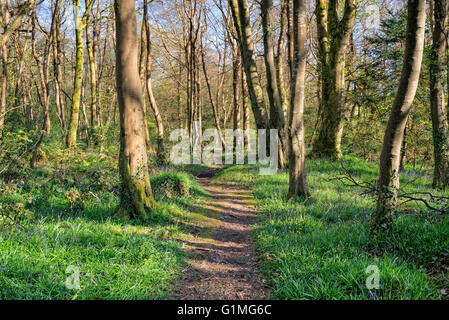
point(221, 262)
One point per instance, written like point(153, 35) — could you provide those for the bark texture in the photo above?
point(157, 115)
point(437, 99)
point(136, 193)
point(388, 184)
point(80, 24)
point(277, 119)
point(297, 150)
point(240, 15)
point(333, 37)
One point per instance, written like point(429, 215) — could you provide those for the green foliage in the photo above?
point(320, 249)
point(15, 148)
point(65, 217)
point(174, 184)
point(374, 78)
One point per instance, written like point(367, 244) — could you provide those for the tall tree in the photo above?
point(240, 16)
point(92, 59)
point(333, 37)
point(80, 24)
point(297, 150)
point(136, 194)
point(157, 115)
point(274, 95)
point(388, 184)
point(437, 99)
point(57, 61)
point(43, 67)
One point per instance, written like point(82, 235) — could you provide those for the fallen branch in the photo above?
point(371, 188)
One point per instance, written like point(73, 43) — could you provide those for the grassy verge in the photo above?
point(67, 226)
point(321, 249)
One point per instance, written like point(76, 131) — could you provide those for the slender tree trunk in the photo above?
point(279, 59)
point(276, 113)
point(93, 79)
point(56, 8)
point(245, 108)
point(136, 194)
point(437, 100)
point(403, 160)
point(212, 102)
point(157, 116)
point(297, 150)
point(80, 24)
point(57, 57)
point(43, 67)
point(236, 68)
point(142, 72)
point(4, 83)
point(240, 15)
point(4, 75)
point(388, 184)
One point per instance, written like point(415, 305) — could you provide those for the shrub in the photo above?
point(173, 184)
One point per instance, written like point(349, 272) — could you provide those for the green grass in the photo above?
point(320, 249)
point(71, 202)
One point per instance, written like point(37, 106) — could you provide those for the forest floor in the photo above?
point(227, 233)
point(221, 260)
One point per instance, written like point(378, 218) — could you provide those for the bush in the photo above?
point(173, 184)
point(14, 151)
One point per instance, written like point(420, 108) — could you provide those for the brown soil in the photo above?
point(222, 263)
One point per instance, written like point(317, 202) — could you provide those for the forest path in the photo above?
point(221, 259)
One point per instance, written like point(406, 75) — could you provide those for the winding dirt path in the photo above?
point(222, 263)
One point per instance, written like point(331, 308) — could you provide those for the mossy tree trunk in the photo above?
point(80, 24)
point(136, 194)
point(4, 75)
point(245, 109)
point(157, 115)
point(43, 67)
point(437, 100)
point(240, 16)
point(57, 62)
point(333, 37)
point(277, 119)
point(388, 184)
point(142, 73)
point(297, 150)
point(236, 69)
point(93, 79)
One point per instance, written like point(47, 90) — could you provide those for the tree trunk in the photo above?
point(4, 83)
point(78, 78)
point(276, 113)
point(80, 24)
point(279, 59)
point(437, 100)
point(57, 69)
point(388, 184)
point(245, 107)
point(236, 68)
point(142, 73)
point(157, 116)
point(136, 194)
point(212, 102)
point(4, 75)
point(93, 80)
point(240, 15)
point(333, 37)
point(297, 150)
